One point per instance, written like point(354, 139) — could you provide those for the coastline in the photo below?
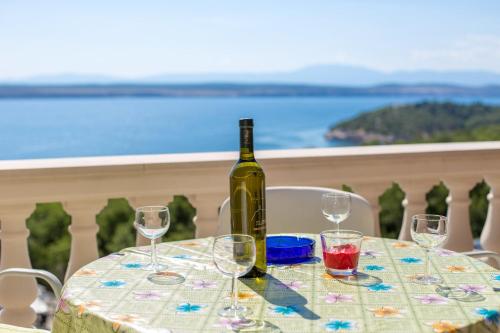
point(359, 136)
point(242, 90)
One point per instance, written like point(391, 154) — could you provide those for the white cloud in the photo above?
point(471, 52)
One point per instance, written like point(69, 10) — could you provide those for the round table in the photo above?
point(112, 294)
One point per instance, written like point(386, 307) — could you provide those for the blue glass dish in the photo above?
point(285, 250)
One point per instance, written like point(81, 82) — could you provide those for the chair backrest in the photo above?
point(297, 209)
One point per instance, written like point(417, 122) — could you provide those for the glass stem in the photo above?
point(427, 263)
point(234, 294)
point(336, 241)
point(154, 261)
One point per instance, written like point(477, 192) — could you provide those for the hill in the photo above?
point(422, 122)
point(321, 74)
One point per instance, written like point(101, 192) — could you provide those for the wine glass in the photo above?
point(153, 222)
point(234, 255)
point(429, 231)
point(336, 207)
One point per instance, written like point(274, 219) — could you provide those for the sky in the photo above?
point(139, 38)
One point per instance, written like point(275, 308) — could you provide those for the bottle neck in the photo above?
point(246, 144)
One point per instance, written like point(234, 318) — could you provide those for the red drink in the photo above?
point(341, 257)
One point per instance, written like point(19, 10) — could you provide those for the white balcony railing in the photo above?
point(83, 185)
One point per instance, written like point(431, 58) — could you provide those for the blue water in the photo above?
point(44, 128)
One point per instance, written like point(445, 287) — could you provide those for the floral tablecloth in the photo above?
point(113, 295)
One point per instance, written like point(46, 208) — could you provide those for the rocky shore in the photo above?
point(359, 136)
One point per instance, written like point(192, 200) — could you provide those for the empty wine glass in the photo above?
point(153, 222)
point(336, 207)
point(428, 231)
point(234, 256)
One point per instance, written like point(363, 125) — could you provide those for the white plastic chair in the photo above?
point(297, 209)
point(50, 278)
point(489, 257)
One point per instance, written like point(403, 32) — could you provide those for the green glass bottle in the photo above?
point(248, 197)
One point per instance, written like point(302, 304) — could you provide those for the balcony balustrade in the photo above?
point(84, 185)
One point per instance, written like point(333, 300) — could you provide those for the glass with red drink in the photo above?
point(341, 251)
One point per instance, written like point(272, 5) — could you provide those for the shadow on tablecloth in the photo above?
point(277, 293)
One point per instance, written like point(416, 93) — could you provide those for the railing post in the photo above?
point(207, 213)
point(83, 230)
point(459, 230)
point(16, 293)
point(413, 203)
point(490, 236)
point(136, 202)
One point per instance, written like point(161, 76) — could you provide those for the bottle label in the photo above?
point(259, 218)
point(248, 213)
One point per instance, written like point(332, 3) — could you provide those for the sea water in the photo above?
point(72, 127)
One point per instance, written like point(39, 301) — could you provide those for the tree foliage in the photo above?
point(49, 240)
point(429, 122)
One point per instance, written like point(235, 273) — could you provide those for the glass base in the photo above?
point(166, 278)
point(427, 279)
point(239, 311)
point(360, 279)
point(459, 294)
point(247, 325)
point(342, 272)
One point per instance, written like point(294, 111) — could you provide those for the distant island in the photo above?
point(241, 90)
point(319, 74)
point(422, 122)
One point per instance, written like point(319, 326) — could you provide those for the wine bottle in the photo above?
point(247, 198)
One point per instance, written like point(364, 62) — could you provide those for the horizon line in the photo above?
point(4, 84)
point(121, 77)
